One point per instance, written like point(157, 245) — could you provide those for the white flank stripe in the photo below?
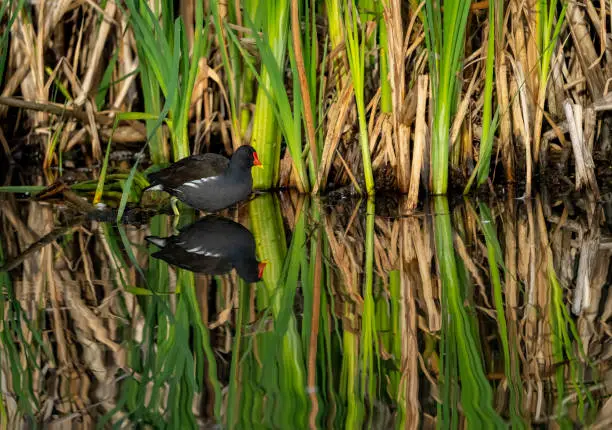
point(197, 182)
point(159, 187)
point(208, 253)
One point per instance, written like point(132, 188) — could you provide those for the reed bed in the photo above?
point(363, 319)
point(327, 92)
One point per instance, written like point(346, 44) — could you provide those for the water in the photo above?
point(473, 313)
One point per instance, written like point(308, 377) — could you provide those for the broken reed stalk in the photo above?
point(585, 167)
point(337, 117)
point(395, 58)
point(420, 130)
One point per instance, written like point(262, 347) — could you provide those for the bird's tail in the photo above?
point(157, 241)
point(154, 184)
point(154, 187)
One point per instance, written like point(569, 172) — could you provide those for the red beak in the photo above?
point(261, 266)
point(256, 161)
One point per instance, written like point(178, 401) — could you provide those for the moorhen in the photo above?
point(209, 182)
point(212, 245)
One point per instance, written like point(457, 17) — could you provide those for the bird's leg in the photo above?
point(177, 214)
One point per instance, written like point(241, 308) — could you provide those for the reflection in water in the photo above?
point(212, 245)
point(469, 315)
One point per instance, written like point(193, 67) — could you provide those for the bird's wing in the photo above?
point(189, 169)
point(218, 266)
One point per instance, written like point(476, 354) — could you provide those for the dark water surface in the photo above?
point(478, 314)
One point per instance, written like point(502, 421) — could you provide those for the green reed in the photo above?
point(445, 38)
point(274, 116)
point(106, 81)
point(21, 345)
point(266, 224)
point(548, 27)
point(495, 260)
point(175, 345)
point(231, 65)
point(356, 46)
point(459, 349)
point(330, 343)
point(287, 346)
point(368, 324)
point(282, 383)
point(248, 88)
point(311, 79)
point(392, 336)
point(239, 392)
point(155, 72)
point(314, 315)
point(349, 394)
point(274, 19)
point(9, 10)
point(386, 101)
point(489, 124)
point(167, 69)
point(564, 337)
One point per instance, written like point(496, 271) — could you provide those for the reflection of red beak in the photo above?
point(256, 161)
point(260, 267)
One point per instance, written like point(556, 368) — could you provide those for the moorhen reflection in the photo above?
point(212, 245)
point(209, 182)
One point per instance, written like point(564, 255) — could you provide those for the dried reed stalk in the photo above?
point(420, 131)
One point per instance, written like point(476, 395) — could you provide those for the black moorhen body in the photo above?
point(212, 245)
point(208, 182)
